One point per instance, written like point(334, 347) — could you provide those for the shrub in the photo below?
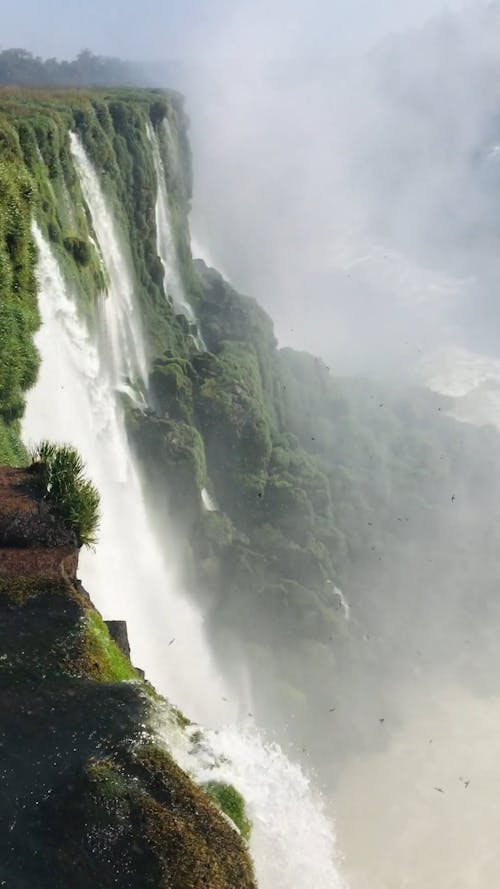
point(76, 499)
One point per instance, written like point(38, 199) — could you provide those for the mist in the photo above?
point(356, 197)
point(363, 185)
point(346, 174)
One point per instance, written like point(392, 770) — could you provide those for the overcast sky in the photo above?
point(158, 29)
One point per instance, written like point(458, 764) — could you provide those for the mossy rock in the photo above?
point(231, 802)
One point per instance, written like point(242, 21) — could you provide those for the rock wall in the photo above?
point(89, 795)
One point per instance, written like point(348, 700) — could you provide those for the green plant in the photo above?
point(231, 802)
point(61, 471)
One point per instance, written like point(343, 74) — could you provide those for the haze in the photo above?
point(346, 172)
point(157, 30)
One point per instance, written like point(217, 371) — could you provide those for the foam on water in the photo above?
point(292, 840)
point(473, 380)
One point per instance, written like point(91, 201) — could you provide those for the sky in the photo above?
point(159, 29)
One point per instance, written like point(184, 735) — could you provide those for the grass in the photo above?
point(76, 499)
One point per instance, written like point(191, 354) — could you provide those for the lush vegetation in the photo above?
point(18, 305)
point(61, 473)
point(38, 180)
point(322, 484)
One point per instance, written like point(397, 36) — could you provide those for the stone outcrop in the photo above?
point(119, 634)
point(89, 797)
point(33, 541)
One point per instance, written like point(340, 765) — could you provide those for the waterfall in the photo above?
point(208, 502)
point(122, 326)
point(130, 576)
point(165, 243)
point(292, 842)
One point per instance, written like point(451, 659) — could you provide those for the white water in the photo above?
point(165, 243)
point(209, 503)
point(292, 841)
point(470, 378)
point(128, 575)
point(131, 578)
point(122, 325)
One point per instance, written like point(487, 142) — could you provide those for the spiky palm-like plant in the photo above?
point(62, 474)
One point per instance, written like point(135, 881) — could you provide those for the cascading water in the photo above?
point(208, 502)
point(292, 842)
point(125, 346)
point(74, 400)
point(165, 243)
point(77, 399)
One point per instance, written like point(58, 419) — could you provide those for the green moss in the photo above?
point(231, 802)
point(107, 778)
point(100, 650)
point(172, 389)
point(20, 589)
point(182, 721)
point(79, 249)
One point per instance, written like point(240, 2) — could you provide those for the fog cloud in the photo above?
point(360, 188)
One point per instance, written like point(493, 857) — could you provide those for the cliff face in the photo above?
point(89, 797)
point(320, 483)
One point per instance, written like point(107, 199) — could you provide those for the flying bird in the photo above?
point(439, 789)
point(171, 641)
